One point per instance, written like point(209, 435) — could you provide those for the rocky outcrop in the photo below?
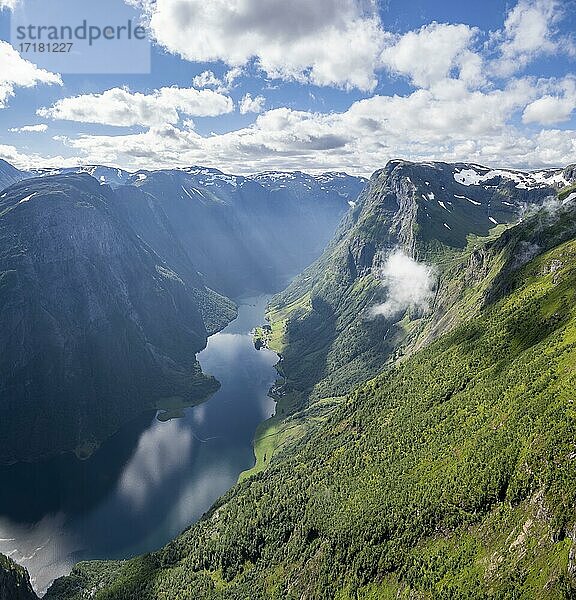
point(10, 175)
point(570, 173)
point(14, 581)
point(95, 326)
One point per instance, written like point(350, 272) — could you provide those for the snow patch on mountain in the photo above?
point(523, 180)
point(27, 198)
point(469, 200)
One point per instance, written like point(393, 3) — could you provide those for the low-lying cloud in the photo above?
point(547, 210)
point(409, 284)
point(122, 108)
point(40, 128)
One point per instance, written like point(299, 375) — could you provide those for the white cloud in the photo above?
point(17, 72)
point(529, 31)
point(555, 146)
point(120, 107)
point(408, 284)
point(325, 42)
point(29, 161)
point(252, 105)
point(40, 128)
point(555, 105)
point(456, 113)
point(8, 4)
point(549, 110)
point(208, 79)
point(232, 75)
point(434, 53)
point(449, 122)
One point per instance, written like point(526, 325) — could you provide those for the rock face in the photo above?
point(95, 326)
point(428, 211)
point(10, 174)
point(14, 581)
point(569, 173)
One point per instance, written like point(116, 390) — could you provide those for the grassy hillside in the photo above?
point(450, 475)
point(320, 322)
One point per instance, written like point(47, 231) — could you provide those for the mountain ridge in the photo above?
point(417, 208)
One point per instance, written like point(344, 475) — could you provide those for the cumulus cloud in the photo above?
point(325, 42)
point(434, 53)
point(549, 110)
point(17, 72)
point(8, 4)
point(408, 284)
point(40, 128)
point(120, 107)
point(554, 107)
point(232, 75)
point(33, 160)
point(252, 105)
point(529, 31)
point(207, 79)
point(459, 110)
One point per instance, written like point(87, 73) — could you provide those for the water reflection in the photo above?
point(158, 457)
point(65, 484)
point(152, 479)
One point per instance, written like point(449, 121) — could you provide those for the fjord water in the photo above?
point(151, 479)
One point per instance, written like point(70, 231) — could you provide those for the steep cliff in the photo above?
point(95, 326)
point(14, 581)
point(429, 212)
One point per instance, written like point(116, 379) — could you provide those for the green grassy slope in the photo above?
point(320, 323)
point(450, 475)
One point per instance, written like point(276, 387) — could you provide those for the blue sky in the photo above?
point(251, 85)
